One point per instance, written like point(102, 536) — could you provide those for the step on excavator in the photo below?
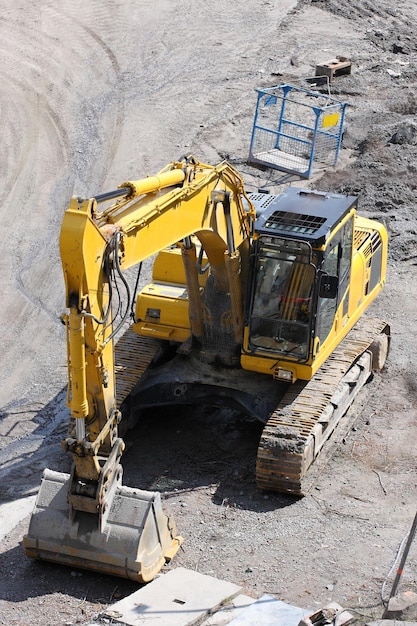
point(256, 302)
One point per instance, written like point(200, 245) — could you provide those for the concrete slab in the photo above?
point(179, 598)
point(268, 611)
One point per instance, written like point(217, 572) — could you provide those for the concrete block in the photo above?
point(334, 67)
point(328, 615)
point(179, 598)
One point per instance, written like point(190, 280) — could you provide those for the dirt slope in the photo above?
point(95, 93)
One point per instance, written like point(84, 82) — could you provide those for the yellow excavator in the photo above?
point(256, 302)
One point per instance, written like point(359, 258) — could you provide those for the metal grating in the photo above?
point(294, 222)
point(368, 240)
point(359, 237)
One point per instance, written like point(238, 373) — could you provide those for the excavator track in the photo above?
point(133, 355)
point(310, 410)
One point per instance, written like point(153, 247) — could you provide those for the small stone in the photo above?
point(393, 74)
point(402, 601)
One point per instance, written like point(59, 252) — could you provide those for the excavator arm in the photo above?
point(182, 200)
point(185, 199)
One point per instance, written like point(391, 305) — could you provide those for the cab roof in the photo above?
point(300, 213)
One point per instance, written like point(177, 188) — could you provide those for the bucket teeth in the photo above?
point(137, 538)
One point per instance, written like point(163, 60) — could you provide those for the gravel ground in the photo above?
point(96, 93)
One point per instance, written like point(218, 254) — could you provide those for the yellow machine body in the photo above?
point(249, 293)
point(162, 306)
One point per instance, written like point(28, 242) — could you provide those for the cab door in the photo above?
point(334, 290)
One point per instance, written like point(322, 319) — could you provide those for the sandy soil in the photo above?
point(96, 93)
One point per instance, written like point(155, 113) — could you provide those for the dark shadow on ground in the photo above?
point(23, 460)
point(170, 450)
point(178, 449)
point(29, 578)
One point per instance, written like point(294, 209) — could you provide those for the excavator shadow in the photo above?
point(176, 450)
point(41, 578)
point(23, 460)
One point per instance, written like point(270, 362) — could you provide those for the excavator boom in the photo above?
point(88, 519)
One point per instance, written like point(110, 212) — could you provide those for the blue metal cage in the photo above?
point(296, 130)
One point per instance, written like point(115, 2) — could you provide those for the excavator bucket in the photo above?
point(135, 542)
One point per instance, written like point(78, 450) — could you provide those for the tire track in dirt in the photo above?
point(46, 92)
point(46, 101)
point(186, 84)
point(49, 423)
point(55, 89)
point(15, 140)
point(21, 137)
point(90, 43)
point(393, 18)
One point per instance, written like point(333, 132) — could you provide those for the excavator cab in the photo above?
point(315, 267)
